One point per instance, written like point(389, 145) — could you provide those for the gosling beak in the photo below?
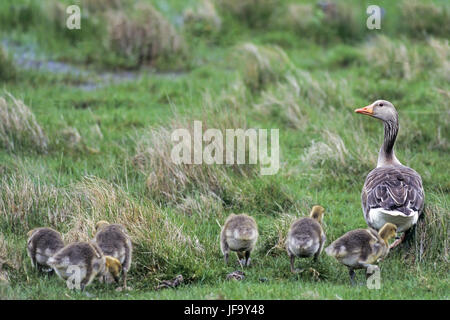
point(366, 110)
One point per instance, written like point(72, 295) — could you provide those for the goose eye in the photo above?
point(381, 104)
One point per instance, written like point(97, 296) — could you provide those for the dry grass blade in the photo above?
point(261, 65)
point(18, 126)
point(144, 36)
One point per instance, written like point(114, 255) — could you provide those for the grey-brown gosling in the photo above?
point(361, 248)
point(306, 237)
point(88, 257)
point(114, 241)
point(42, 244)
point(239, 233)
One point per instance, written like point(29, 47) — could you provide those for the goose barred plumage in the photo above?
point(392, 192)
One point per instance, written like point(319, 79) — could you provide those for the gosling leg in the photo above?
point(124, 280)
point(316, 256)
point(241, 258)
point(247, 258)
point(351, 272)
point(292, 258)
point(225, 257)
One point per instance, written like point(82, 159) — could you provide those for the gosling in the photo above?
point(239, 234)
point(361, 248)
point(114, 241)
point(84, 261)
point(42, 244)
point(306, 237)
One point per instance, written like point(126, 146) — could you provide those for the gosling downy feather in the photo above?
point(361, 248)
point(42, 244)
point(392, 192)
point(114, 241)
point(239, 234)
point(306, 237)
point(84, 260)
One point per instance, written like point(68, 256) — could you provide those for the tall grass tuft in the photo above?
point(274, 242)
point(399, 59)
point(261, 65)
point(324, 22)
point(172, 182)
point(441, 56)
point(145, 37)
point(7, 68)
point(254, 13)
point(95, 6)
point(10, 260)
point(291, 100)
point(425, 18)
point(345, 155)
point(432, 240)
point(18, 126)
point(25, 204)
point(202, 19)
point(284, 102)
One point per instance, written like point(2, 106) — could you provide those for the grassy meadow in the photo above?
point(86, 117)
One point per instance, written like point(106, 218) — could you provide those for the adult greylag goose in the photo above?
point(392, 192)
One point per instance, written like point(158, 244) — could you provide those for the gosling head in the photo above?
point(388, 231)
point(101, 224)
point(114, 267)
point(317, 213)
point(380, 109)
point(29, 233)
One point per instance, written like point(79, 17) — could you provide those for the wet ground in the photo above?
point(29, 57)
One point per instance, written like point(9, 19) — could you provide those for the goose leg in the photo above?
point(409, 236)
point(397, 242)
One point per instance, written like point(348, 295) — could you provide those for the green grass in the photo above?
point(100, 162)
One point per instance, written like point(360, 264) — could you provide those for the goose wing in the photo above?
point(393, 188)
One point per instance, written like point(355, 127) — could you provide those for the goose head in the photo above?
point(380, 109)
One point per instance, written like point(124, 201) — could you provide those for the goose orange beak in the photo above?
point(366, 110)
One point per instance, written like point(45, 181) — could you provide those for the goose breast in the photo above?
point(392, 194)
